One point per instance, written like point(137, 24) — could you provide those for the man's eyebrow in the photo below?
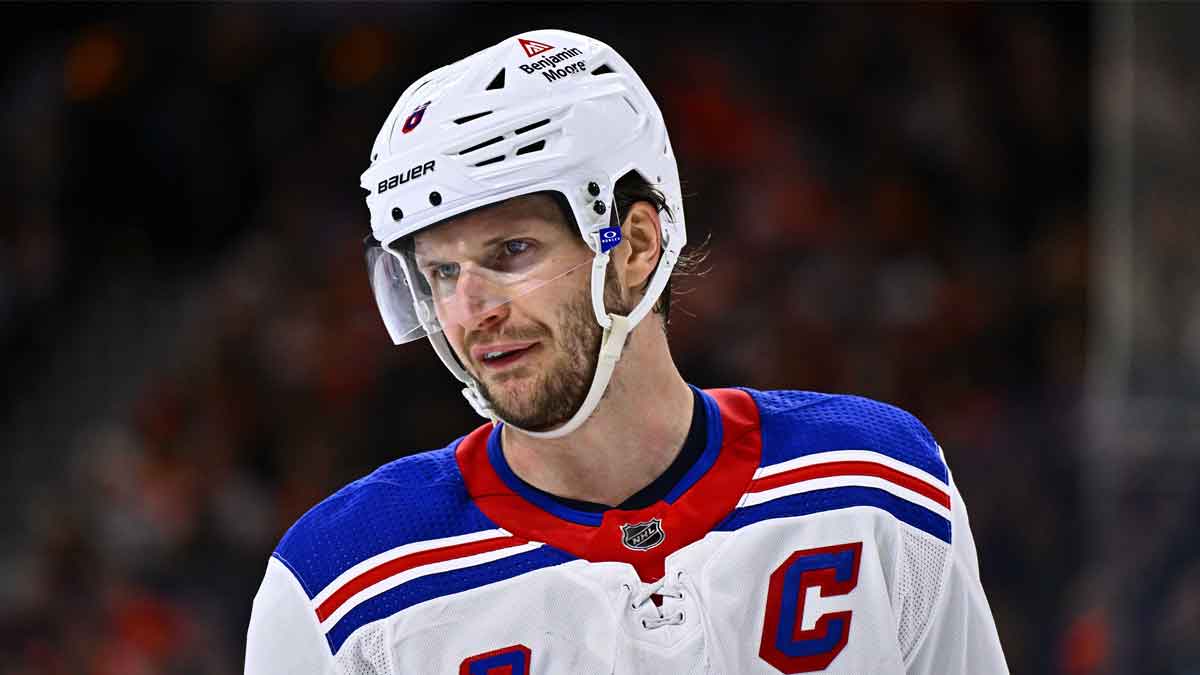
point(428, 262)
point(422, 259)
point(501, 238)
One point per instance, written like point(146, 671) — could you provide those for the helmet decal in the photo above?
point(609, 238)
point(571, 118)
point(415, 118)
point(533, 47)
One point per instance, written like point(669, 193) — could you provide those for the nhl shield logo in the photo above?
point(643, 536)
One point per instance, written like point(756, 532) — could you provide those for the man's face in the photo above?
point(511, 288)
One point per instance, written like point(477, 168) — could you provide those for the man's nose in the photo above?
point(483, 301)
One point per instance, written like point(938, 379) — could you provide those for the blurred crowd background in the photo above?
point(981, 213)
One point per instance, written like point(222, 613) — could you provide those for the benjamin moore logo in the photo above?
point(643, 536)
point(533, 48)
point(552, 66)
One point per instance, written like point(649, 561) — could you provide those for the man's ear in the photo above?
point(642, 230)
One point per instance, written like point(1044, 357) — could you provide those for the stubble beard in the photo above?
point(557, 390)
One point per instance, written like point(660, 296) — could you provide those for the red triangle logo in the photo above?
point(532, 47)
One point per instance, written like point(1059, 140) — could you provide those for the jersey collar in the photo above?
point(705, 495)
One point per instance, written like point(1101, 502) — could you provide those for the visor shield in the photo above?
point(419, 298)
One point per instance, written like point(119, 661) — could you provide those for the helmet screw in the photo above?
point(593, 190)
point(397, 214)
point(435, 198)
point(598, 207)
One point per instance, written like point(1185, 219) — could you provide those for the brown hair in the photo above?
point(632, 188)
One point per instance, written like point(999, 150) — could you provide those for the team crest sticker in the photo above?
point(415, 118)
point(533, 47)
point(643, 536)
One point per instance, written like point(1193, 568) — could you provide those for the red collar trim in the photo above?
point(693, 515)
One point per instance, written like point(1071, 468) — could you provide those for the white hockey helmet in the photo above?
point(543, 111)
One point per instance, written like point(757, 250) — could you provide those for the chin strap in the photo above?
point(471, 392)
point(611, 346)
point(616, 332)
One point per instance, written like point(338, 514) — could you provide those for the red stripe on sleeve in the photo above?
point(852, 469)
point(393, 567)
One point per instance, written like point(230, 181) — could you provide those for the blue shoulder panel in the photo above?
point(798, 423)
point(415, 498)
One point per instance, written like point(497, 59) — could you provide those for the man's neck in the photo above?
point(631, 438)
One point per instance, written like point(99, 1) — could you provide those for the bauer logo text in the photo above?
point(402, 178)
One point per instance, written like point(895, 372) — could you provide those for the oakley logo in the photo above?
point(609, 238)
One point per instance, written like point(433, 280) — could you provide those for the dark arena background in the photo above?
point(985, 214)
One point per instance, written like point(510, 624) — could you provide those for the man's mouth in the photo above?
point(500, 356)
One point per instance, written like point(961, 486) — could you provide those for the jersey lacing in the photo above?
point(639, 597)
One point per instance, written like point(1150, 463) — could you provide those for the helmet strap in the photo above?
point(611, 346)
point(616, 330)
point(471, 392)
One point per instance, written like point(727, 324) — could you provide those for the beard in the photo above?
point(552, 394)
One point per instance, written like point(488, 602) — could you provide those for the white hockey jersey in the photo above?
point(815, 534)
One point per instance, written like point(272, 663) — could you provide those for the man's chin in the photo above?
point(530, 420)
point(517, 407)
point(539, 426)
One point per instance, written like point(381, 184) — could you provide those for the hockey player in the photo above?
point(609, 518)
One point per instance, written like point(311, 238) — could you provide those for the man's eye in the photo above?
point(444, 271)
point(516, 246)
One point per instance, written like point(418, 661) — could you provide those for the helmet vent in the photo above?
point(602, 70)
point(497, 81)
point(484, 144)
point(491, 161)
point(630, 104)
point(532, 147)
point(531, 127)
point(469, 118)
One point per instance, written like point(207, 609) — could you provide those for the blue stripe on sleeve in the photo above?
point(434, 586)
point(831, 499)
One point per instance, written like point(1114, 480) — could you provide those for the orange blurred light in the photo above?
point(93, 63)
point(356, 56)
point(1085, 645)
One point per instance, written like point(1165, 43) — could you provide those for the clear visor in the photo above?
point(419, 297)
